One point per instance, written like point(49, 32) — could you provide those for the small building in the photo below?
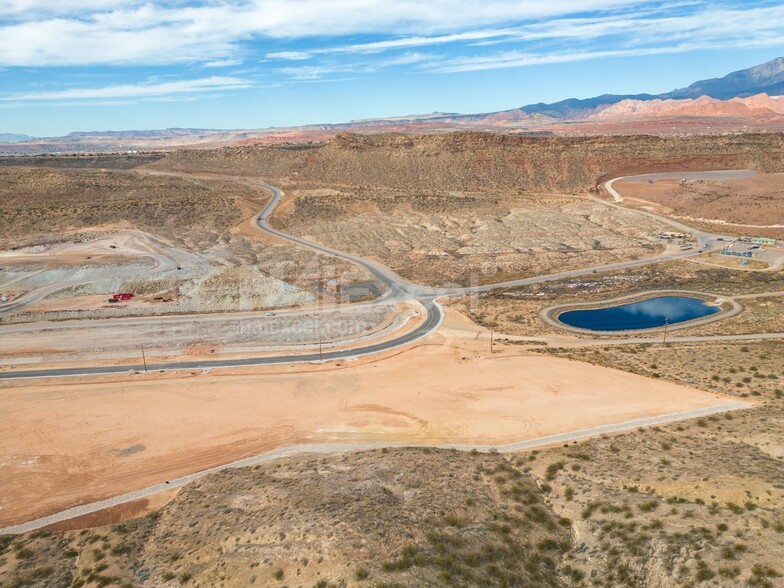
point(334, 286)
point(763, 240)
point(670, 235)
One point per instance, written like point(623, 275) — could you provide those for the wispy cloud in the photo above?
point(400, 43)
point(291, 55)
point(299, 41)
point(146, 90)
point(518, 59)
point(224, 63)
point(85, 32)
point(651, 31)
point(313, 72)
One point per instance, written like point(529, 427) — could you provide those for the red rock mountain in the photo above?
point(760, 105)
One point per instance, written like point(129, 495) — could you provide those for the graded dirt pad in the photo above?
point(68, 443)
point(757, 200)
point(92, 341)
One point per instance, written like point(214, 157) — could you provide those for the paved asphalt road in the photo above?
point(397, 288)
point(432, 320)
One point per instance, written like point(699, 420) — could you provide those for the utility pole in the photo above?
point(318, 332)
point(666, 322)
point(321, 356)
point(144, 359)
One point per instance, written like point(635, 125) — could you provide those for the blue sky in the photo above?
point(69, 65)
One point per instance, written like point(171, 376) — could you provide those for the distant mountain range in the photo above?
point(14, 138)
point(767, 78)
point(747, 100)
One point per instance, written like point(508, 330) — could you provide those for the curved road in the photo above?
point(432, 320)
point(397, 288)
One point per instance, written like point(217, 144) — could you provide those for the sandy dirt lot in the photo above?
point(749, 201)
point(69, 442)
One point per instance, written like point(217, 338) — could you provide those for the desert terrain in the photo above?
point(486, 237)
point(696, 502)
point(492, 448)
point(384, 400)
point(738, 207)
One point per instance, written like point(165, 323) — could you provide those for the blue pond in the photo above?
point(646, 314)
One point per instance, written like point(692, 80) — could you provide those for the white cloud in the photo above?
point(731, 25)
point(223, 63)
point(222, 33)
point(316, 72)
point(85, 32)
point(391, 44)
point(511, 59)
point(290, 55)
point(711, 29)
point(19, 8)
point(146, 90)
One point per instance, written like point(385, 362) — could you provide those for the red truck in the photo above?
point(123, 296)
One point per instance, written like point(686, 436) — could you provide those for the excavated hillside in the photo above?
point(480, 161)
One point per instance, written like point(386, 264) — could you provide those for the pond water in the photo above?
point(646, 314)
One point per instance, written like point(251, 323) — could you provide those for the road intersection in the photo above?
point(395, 288)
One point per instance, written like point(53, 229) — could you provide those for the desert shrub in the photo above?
point(553, 469)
